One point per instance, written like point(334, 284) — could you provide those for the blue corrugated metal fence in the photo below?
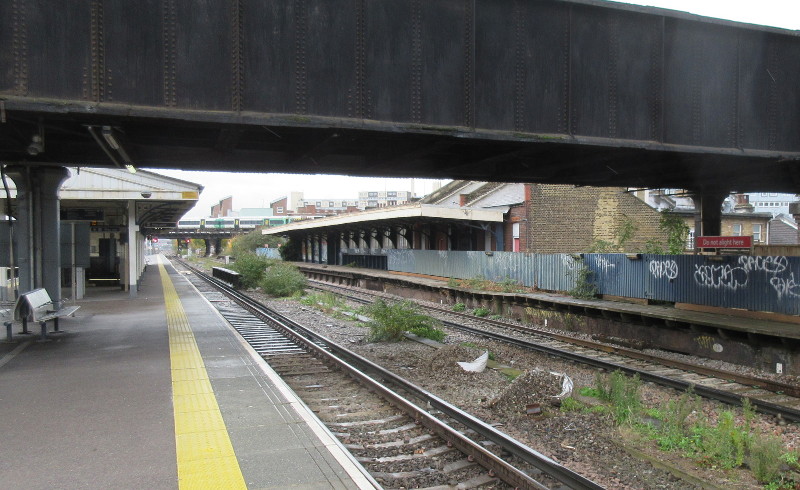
point(748, 282)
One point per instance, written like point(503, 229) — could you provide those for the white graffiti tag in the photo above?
point(720, 276)
point(569, 263)
point(770, 265)
point(664, 268)
point(604, 264)
point(785, 287)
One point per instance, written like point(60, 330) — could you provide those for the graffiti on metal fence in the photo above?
point(604, 264)
point(770, 265)
point(569, 263)
point(764, 283)
point(720, 276)
point(664, 268)
point(785, 287)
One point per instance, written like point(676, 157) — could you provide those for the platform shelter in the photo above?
point(73, 227)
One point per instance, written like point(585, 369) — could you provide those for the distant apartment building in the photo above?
point(382, 199)
point(774, 203)
point(297, 205)
point(223, 208)
point(286, 204)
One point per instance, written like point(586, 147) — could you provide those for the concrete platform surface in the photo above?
point(94, 406)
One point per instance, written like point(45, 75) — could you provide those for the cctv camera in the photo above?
point(146, 194)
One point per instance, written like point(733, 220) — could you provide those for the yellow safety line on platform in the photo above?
point(205, 453)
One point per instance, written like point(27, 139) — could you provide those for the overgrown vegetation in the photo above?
point(723, 440)
point(459, 307)
point(507, 285)
point(622, 393)
point(390, 322)
point(624, 234)
point(251, 269)
point(481, 312)
point(329, 303)
point(246, 244)
point(282, 279)
point(584, 288)
point(677, 233)
point(291, 251)
point(326, 302)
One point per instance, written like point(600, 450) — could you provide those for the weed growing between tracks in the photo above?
point(328, 303)
point(721, 440)
point(390, 322)
point(282, 279)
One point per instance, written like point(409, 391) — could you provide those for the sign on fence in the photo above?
point(723, 242)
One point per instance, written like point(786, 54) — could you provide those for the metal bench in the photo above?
point(37, 306)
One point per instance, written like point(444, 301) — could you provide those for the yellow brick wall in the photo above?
point(567, 219)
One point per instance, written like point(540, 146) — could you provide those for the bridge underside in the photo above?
point(268, 144)
point(582, 92)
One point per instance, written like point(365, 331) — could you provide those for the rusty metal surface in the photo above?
point(571, 91)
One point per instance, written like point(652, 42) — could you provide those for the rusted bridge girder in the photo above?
point(561, 91)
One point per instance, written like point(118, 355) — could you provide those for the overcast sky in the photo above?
point(257, 190)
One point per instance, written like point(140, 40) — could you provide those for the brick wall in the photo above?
point(516, 214)
point(566, 219)
point(279, 204)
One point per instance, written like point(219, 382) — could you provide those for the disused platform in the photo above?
point(156, 391)
point(769, 342)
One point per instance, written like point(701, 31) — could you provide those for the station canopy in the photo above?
point(101, 196)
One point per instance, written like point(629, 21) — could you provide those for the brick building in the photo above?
point(564, 218)
point(547, 218)
point(222, 209)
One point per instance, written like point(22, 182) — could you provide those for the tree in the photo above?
point(677, 231)
point(250, 242)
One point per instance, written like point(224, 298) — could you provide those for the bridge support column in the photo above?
point(132, 252)
point(708, 212)
point(218, 246)
point(207, 242)
point(37, 229)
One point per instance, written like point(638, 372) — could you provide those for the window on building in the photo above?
point(330, 204)
point(372, 194)
point(391, 194)
point(737, 229)
point(756, 233)
point(279, 210)
point(392, 203)
point(319, 204)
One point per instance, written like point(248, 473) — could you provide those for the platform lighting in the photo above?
point(112, 143)
point(108, 135)
point(36, 146)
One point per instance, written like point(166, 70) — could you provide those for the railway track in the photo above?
point(779, 399)
point(372, 411)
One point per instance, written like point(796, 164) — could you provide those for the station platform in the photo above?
point(734, 320)
point(156, 391)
